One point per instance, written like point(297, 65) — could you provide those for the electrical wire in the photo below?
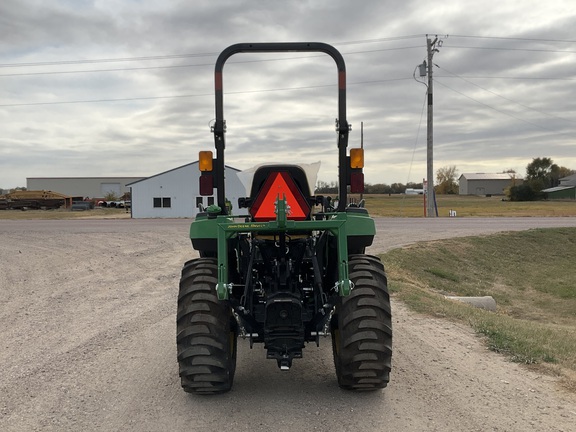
point(511, 49)
point(417, 136)
point(504, 97)
point(200, 55)
point(202, 64)
point(512, 38)
point(195, 55)
point(197, 95)
point(525, 78)
point(213, 54)
point(500, 111)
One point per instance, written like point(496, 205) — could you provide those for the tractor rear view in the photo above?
point(281, 274)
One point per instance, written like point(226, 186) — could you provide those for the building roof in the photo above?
point(568, 181)
point(490, 176)
point(558, 188)
point(174, 169)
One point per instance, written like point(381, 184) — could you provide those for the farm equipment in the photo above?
point(40, 199)
point(282, 275)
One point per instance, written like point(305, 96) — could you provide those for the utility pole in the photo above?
point(362, 147)
point(430, 201)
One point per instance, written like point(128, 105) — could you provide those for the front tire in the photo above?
point(362, 328)
point(206, 331)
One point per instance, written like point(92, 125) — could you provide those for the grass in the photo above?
point(530, 275)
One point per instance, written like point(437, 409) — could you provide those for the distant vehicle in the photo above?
point(411, 191)
point(112, 204)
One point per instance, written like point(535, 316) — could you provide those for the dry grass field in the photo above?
point(97, 213)
point(465, 206)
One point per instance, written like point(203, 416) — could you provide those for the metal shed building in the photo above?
point(91, 187)
point(175, 193)
point(561, 192)
point(568, 181)
point(486, 183)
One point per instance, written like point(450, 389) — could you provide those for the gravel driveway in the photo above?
point(87, 318)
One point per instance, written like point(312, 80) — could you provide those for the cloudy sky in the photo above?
point(125, 87)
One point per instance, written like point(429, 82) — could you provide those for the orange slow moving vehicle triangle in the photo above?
point(279, 184)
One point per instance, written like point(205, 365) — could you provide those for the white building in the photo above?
point(175, 193)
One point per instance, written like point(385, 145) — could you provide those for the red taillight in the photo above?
point(279, 185)
point(357, 182)
point(206, 184)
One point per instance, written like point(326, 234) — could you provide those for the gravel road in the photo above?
point(87, 319)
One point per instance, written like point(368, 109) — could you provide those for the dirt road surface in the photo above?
point(87, 343)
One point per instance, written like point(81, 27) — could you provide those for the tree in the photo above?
point(539, 168)
point(110, 196)
point(323, 187)
point(446, 180)
point(539, 173)
point(522, 192)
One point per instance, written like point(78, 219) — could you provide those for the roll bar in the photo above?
point(342, 126)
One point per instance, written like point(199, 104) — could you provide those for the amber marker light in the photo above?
point(356, 158)
point(205, 158)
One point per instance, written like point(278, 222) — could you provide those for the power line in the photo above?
point(196, 95)
point(180, 56)
point(213, 54)
point(105, 70)
point(512, 49)
point(388, 39)
point(504, 97)
point(198, 64)
point(108, 60)
point(512, 38)
point(500, 111)
point(511, 78)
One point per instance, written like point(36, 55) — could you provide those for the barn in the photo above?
point(175, 193)
point(486, 183)
point(85, 187)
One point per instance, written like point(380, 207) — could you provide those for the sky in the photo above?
point(126, 87)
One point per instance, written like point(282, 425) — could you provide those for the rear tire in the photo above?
point(206, 331)
point(362, 328)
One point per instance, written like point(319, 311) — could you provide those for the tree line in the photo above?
point(323, 187)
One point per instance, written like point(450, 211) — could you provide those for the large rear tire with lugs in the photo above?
point(206, 331)
point(362, 328)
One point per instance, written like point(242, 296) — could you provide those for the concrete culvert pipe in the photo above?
point(485, 302)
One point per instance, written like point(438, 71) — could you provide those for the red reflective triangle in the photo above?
point(279, 184)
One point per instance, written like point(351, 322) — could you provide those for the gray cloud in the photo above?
point(498, 102)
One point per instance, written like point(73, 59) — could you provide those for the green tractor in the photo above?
point(291, 270)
